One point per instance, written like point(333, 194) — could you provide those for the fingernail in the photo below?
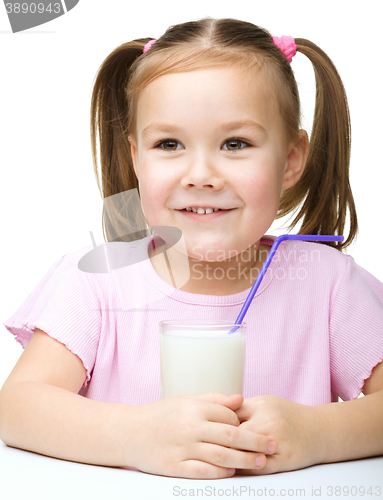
point(259, 461)
point(272, 447)
point(230, 472)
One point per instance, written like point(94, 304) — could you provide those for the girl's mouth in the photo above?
point(201, 217)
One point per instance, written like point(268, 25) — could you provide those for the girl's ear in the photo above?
point(296, 161)
point(134, 154)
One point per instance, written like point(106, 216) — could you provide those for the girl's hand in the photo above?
point(294, 426)
point(192, 437)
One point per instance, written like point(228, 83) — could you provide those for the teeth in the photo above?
point(205, 211)
point(202, 210)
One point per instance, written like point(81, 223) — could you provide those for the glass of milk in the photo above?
point(199, 356)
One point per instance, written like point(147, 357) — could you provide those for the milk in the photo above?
point(202, 361)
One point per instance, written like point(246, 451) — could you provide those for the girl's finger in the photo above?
point(273, 465)
point(237, 438)
point(196, 469)
point(221, 414)
point(233, 402)
point(245, 412)
point(228, 457)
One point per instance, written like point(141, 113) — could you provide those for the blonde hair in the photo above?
point(324, 189)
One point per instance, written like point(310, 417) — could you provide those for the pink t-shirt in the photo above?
point(314, 328)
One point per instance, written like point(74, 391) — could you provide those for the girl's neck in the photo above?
point(227, 277)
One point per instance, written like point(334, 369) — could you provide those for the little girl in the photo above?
point(204, 124)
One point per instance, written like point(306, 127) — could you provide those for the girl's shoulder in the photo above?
point(306, 249)
point(312, 262)
point(313, 255)
point(340, 269)
point(327, 252)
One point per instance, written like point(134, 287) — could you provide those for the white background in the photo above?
point(49, 196)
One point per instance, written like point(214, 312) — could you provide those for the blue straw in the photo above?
point(266, 264)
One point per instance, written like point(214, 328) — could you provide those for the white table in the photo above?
point(27, 476)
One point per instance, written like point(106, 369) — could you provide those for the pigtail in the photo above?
point(108, 123)
point(326, 176)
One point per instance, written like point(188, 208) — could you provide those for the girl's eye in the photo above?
point(172, 145)
point(235, 144)
point(169, 145)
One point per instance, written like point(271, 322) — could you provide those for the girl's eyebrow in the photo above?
point(225, 127)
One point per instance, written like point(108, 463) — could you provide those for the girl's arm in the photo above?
point(192, 437)
point(354, 429)
point(41, 411)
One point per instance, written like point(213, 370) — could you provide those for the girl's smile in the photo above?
point(202, 216)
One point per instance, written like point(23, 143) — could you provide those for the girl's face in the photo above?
point(211, 138)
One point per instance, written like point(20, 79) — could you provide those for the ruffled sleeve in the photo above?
point(65, 306)
point(356, 330)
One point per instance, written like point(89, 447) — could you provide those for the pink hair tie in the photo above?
point(149, 44)
point(287, 45)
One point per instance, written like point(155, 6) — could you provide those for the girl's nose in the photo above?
point(201, 174)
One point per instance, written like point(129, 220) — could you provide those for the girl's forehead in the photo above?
point(234, 78)
point(201, 92)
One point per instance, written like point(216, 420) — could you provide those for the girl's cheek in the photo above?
point(152, 204)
